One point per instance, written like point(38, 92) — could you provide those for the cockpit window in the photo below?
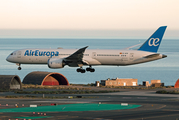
point(11, 53)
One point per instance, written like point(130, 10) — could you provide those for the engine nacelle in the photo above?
point(55, 63)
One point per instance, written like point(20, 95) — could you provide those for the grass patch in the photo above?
point(65, 92)
point(135, 87)
point(61, 87)
point(167, 92)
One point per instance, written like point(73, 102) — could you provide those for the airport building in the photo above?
point(146, 83)
point(45, 78)
point(119, 82)
point(154, 83)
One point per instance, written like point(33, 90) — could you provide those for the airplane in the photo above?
point(58, 58)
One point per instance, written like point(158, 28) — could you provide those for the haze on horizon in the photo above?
point(70, 15)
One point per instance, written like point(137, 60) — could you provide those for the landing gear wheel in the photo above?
point(19, 68)
point(88, 69)
point(78, 70)
point(92, 70)
point(18, 64)
point(83, 71)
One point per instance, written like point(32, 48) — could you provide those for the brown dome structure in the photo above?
point(45, 78)
point(10, 82)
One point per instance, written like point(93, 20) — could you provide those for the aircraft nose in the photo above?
point(163, 56)
point(8, 59)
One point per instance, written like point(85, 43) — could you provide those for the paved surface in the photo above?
point(154, 107)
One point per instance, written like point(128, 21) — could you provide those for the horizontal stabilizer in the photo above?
point(151, 56)
point(132, 46)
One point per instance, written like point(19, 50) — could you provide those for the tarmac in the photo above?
point(148, 106)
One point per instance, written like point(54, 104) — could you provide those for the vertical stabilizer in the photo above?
point(153, 43)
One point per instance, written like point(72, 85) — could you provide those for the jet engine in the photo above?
point(56, 63)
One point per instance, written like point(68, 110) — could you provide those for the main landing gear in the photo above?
point(81, 70)
point(88, 69)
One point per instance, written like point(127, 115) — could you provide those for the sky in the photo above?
point(86, 15)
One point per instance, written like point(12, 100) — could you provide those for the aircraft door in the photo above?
point(19, 54)
point(131, 56)
point(93, 54)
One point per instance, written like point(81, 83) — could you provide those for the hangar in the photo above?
point(177, 84)
point(10, 82)
point(45, 78)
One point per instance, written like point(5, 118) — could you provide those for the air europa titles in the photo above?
point(40, 53)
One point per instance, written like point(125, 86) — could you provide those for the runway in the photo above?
point(153, 106)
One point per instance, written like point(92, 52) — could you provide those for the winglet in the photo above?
point(153, 43)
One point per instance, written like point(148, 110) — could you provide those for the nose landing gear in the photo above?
point(19, 68)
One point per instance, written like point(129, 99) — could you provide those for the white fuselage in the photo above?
point(58, 58)
point(91, 56)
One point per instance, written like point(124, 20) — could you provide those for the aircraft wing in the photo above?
point(75, 58)
point(78, 55)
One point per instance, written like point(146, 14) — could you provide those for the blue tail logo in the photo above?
point(153, 43)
